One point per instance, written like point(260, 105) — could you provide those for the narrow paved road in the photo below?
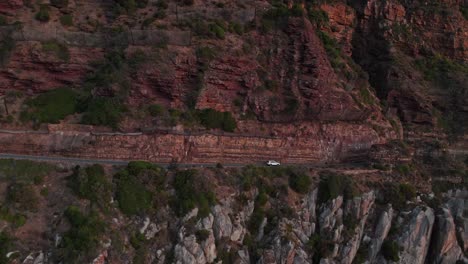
point(183, 165)
point(102, 161)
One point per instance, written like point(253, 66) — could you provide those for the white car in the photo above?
point(273, 163)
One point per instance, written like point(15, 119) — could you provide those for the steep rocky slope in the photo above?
point(379, 84)
point(144, 214)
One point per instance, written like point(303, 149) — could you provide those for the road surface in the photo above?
point(125, 162)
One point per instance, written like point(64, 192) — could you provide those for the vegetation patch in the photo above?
point(300, 182)
point(59, 3)
point(333, 50)
point(333, 185)
point(22, 196)
point(103, 111)
point(7, 44)
point(91, 183)
point(83, 238)
point(51, 106)
point(318, 17)
point(24, 171)
point(212, 119)
point(277, 17)
point(398, 194)
point(17, 220)
point(43, 13)
point(66, 20)
point(449, 76)
point(192, 192)
point(390, 250)
point(5, 247)
point(59, 49)
point(132, 195)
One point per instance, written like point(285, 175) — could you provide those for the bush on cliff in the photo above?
point(212, 119)
point(5, 247)
point(51, 106)
point(83, 237)
point(7, 44)
point(132, 195)
point(390, 250)
point(66, 20)
point(91, 183)
point(103, 111)
point(59, 3)
point(23, 196)
point(191, 193)
point(300, 182)
point(333, 185)
point(43, 13)
point(59, 49)
point(23, 170)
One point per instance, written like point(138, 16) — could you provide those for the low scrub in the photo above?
point(91, 183)
point(83, 238)
point(59, 49)
point(51, 106)
point(22, 196)
point(300, 182)
point(333, 185)
point(138, 186)
point(212, 119)
point(24, 171)
point(5, 247)
point(390, 250)
point(192, 192)
point(43, 13)
point(132, 195)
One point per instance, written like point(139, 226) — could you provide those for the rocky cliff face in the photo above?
point(252, 226)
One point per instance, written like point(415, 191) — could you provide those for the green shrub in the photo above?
point(318, 17)
point(43, 14)
point(407, 191)
point(66, 20)
point(83, 237)
point(320, 247)
point(132, 195)
point(59, 3)
point(189, 194)
point(403, 169)
point(17, 220)
point(162, 4)
point(91, 183)
point(7, 44)
point(390, 250)
point(38, 179)
point(24, 171)
point(59, 49)
point(23, 196)
point(103, 111)
point(297, 10)
point(276, 17)
point(44, 192)
point(256, 220)
point(333, 185)
point(5, 247)
point(217, 31)
point(3, 20)
point(332, 48)
point(202, 235)
point(398, 194)
point(156, 110)
point(236, 28)
point(51, 106)
point(300, 182)
point(464, 11)
point(212, 119)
